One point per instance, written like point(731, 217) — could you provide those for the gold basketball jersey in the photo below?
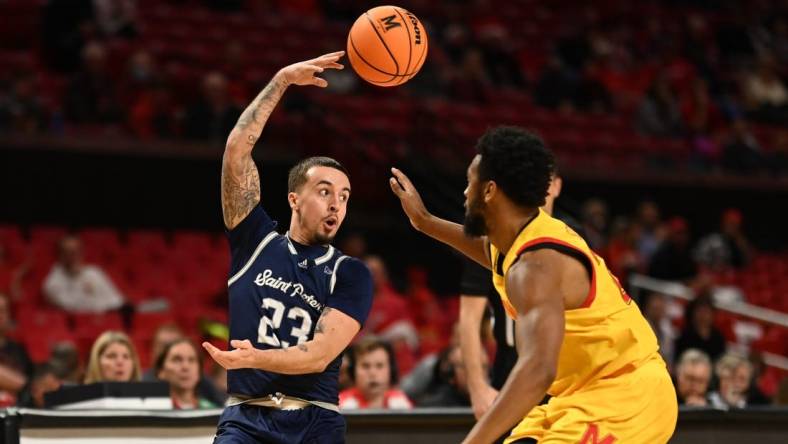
point(604, 337)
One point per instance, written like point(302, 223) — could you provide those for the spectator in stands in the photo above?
point(659, 114)
point(218, 378)
point(213, 116)
point(594, 222)
point(234, 62)
point(113, 358)
point(152, 113)
point(345, 381)
point(373, 370)
point(555, 85)
point(500, 59)
point(591, 95)
point(15, 365)
point(180, 365)
point(12, 275)
point(673, 259)
point(727, 248)
point(66, 26)
point(78, 287)
point(167, 334)
point(693, 374)
point(91, 97)
point(64, 361)
point(734, 374)
point(755, 394)
point(389, 316)
point(621, 252)
point(765, 93)
point(451, 389)
point(470, 82)
point(141, 74)
point(781, 398)
point(700, 118)
point(164, 334)
point(116, 18)
point(654, 308)
point(699, 330)
point(742, 153)
point(651, 230)
point(430, 317)
point(45, 380)
point(21, 109)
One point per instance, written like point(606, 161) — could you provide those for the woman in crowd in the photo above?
point(180, 364)
point(113, 359)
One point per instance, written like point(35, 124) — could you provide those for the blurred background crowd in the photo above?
point(693, 89)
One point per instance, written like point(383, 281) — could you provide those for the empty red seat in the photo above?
point(32, 319)
point(145, 324)
point(39, 346)
point(88, 326)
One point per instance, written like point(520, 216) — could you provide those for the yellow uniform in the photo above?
point(611, 384)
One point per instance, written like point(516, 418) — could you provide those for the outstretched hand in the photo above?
point(305, 73)
point(409, 198)
point(242, 357)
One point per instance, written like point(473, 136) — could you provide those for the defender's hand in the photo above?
point(305, 73)
point(482, 399)
point(409, 198)
point(242, 357)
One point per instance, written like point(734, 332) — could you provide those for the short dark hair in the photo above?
point(518, 162)
point(297, 175)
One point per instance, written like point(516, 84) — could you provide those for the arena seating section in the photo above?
point(271, 40)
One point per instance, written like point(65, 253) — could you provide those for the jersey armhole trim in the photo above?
point(334, 273)
point(256, 253)
point(571, 251)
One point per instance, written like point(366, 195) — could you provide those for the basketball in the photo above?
point(387, 46)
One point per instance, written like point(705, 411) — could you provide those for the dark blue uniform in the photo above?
point(278, 290)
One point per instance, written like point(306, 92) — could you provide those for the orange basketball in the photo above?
point(387, 46)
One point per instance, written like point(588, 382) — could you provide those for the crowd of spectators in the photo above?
point(714, 77)
point(406, 332)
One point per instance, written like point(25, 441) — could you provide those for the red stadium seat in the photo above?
point(90, 325)
point(33, 318)
point(146, 323)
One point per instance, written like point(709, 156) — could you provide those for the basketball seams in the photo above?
point(370, 72)
point(410, 39)
point(361, 57)
point(383, 41)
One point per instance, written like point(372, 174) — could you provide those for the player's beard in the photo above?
point(322, 239)
point(475, 225)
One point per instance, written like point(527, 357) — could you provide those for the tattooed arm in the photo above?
point(240, 178)
point(333, 333)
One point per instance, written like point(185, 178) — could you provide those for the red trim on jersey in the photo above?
point(551, 240)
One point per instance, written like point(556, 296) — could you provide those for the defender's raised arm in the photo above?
point(448, 232)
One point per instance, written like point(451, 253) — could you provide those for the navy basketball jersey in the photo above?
point(278, 289)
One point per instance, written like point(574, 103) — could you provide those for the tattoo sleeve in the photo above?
point(240, 178)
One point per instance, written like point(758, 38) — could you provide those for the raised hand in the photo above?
point(305, 73)
point(409, 198)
